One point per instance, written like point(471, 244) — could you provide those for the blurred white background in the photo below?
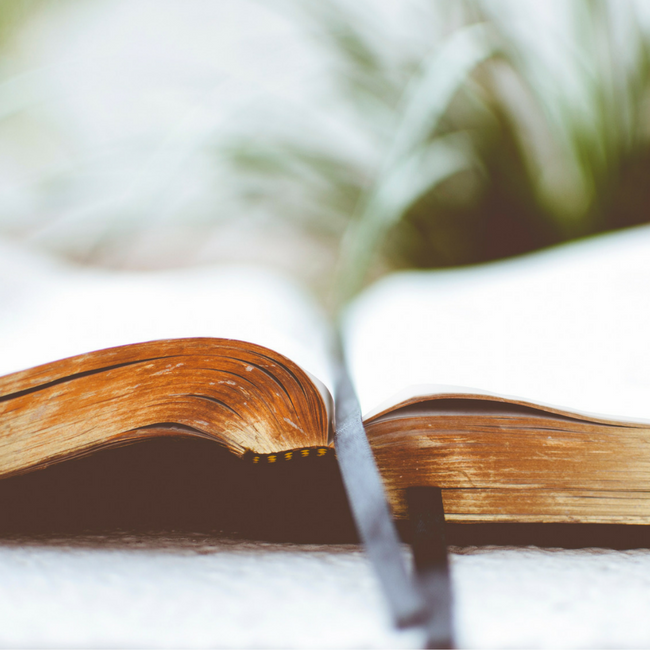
point(113, 114)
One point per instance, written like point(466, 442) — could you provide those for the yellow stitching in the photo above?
point(305, 452)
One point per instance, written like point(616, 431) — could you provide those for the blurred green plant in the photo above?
point(525, 124)
point(17, 90)
point(12, 15)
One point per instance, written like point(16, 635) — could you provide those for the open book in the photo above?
point(521, 388)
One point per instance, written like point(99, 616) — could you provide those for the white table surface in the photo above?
point(197, 590)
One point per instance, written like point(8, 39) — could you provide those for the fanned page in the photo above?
point(566, 327)
point(93, 358)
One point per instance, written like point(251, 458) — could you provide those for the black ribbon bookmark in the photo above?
point(426, 601)
point(370, 509)
point(427, 517)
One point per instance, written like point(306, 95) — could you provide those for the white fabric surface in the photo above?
point(197, 591)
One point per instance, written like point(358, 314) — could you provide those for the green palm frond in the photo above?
point(398, 104)
point(416, 160)
point(522, 124)
point(13, 13)
point(589, 97)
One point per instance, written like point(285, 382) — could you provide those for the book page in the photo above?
point(567, 327)
point(50, 310)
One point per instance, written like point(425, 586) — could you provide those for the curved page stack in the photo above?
point(521, 388)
